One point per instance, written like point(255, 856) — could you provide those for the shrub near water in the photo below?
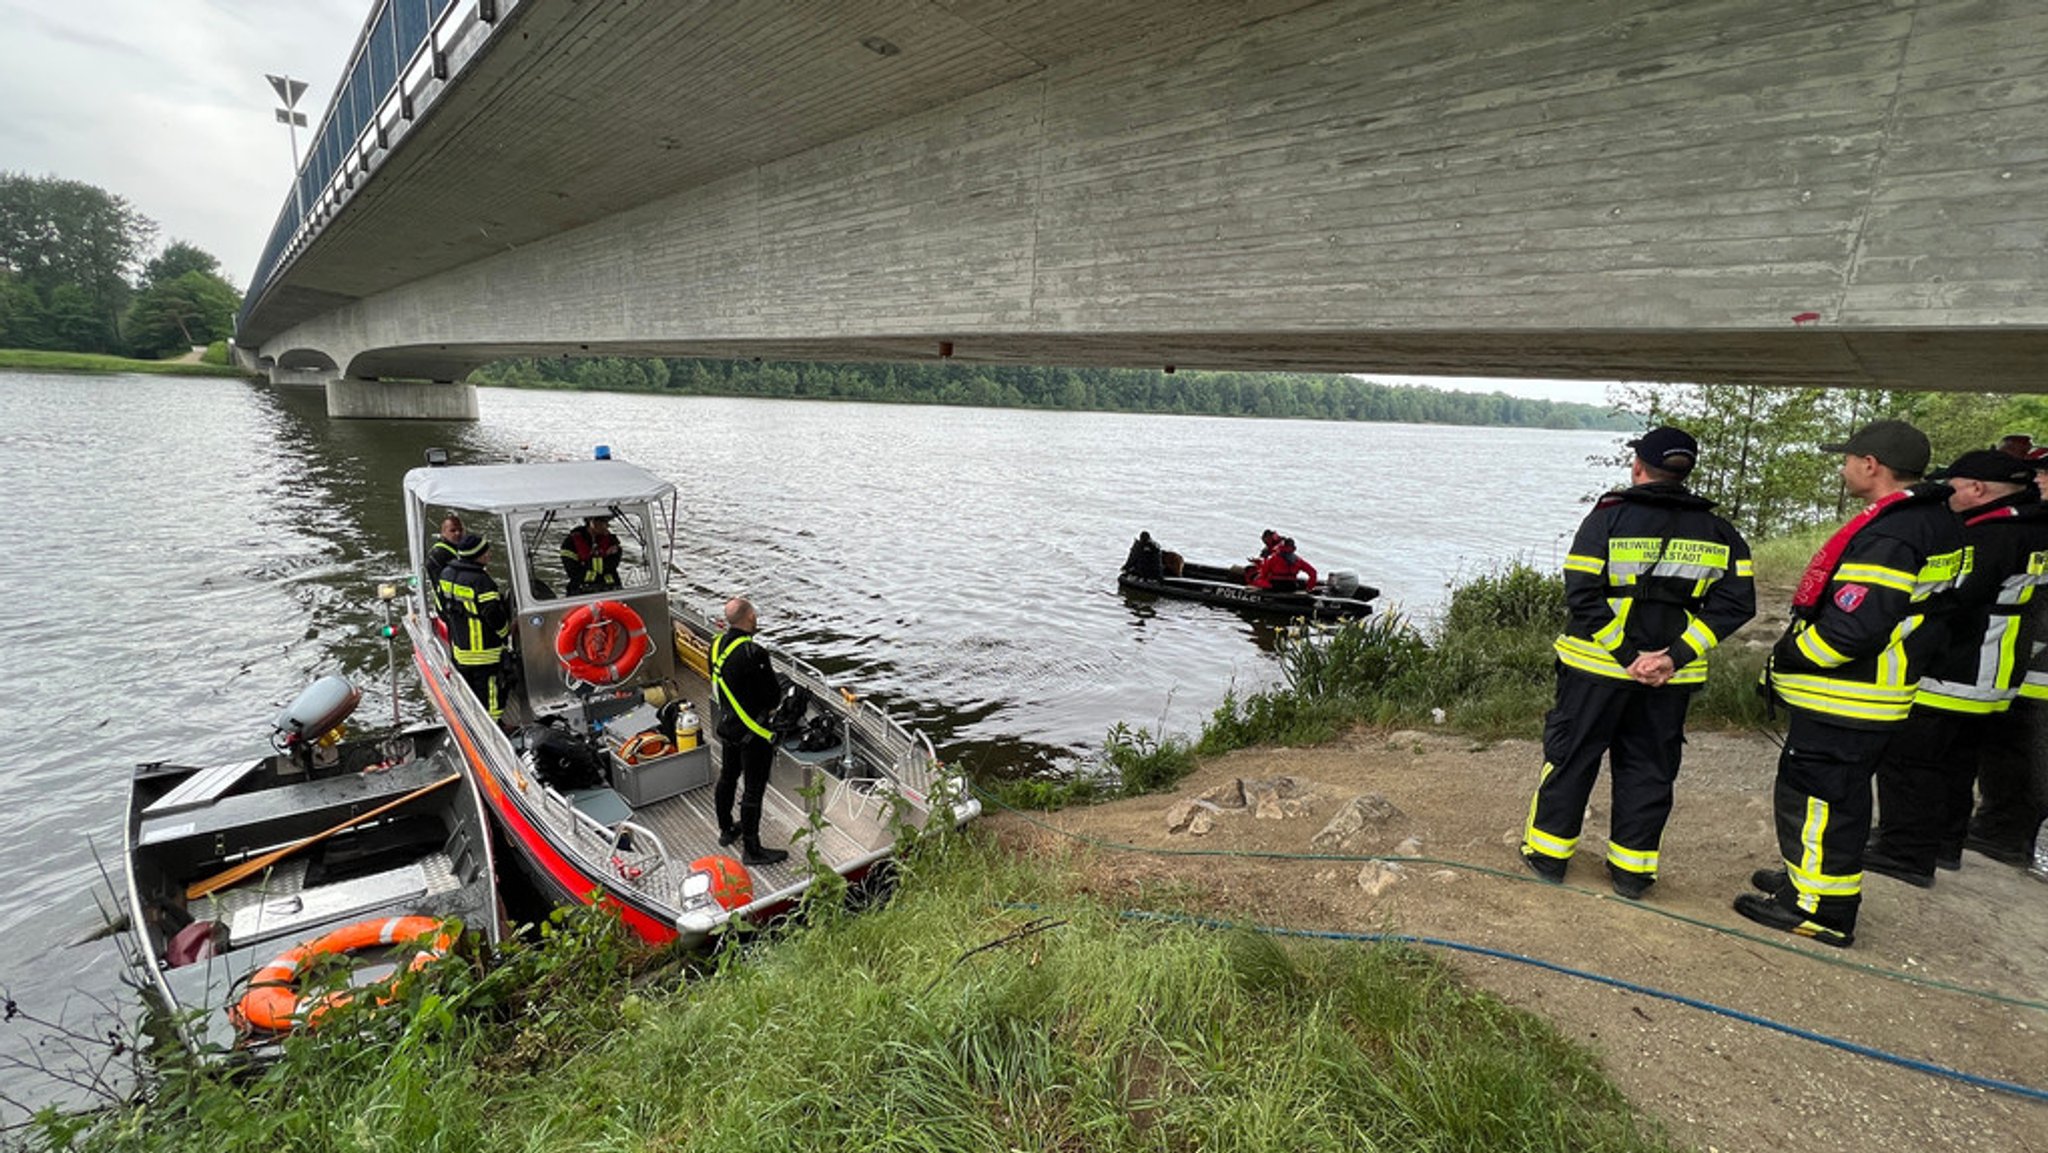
point(899, 1030)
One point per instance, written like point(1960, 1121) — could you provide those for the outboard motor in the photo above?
point(323, 705)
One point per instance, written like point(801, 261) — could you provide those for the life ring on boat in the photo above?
point(273, 1001)
point(602, 643)
point(647, 746)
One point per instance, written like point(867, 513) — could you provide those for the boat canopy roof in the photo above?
point(507, 488)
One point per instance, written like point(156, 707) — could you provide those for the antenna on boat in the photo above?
point(386, 593)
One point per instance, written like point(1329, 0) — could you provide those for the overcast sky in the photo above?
point(164, 102)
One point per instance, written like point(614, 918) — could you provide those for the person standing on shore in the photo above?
point(1655, 580)
point(1924, 781)
point(1865, 620)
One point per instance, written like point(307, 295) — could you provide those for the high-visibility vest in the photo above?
point(719, 689)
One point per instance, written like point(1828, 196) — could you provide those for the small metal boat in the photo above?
point(594, 808)
point(231, 865)
point(1343, 598)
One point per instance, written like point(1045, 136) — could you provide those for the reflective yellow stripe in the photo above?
point(1817, 650)
point(1588, 657)
point(719, 652)
point(1632, 860)
point(1941, 572)
point(1536, 840)
point(1843, 698)
point(1871, 574)
point(1743, 568)
point(1806, 874)
point(1934, 699)
point(1585, 564)
point(1610, 634)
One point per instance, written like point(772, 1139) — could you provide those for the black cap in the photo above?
point(1896, 445)
point(471, 545)
point(1987, 464)
point(1667, 448)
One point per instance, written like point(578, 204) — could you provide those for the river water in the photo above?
point(188, 553)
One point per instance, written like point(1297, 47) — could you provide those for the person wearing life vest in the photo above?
point(1282, 569)
point(1655, 581)
point(441, 550)
point(479, 622)
point(2012, 767)
point(746, 690)
point(1144, 561)
point(1866, 618)
point(1925, 779)
point(590, 555)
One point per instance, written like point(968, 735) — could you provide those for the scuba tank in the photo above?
point(678, 722)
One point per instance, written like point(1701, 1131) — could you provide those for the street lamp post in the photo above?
point(288, 91)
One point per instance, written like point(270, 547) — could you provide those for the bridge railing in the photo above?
point(403, 60)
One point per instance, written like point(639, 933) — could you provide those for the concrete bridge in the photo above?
point(1846, 192)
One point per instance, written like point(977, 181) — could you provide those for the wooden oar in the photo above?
point(229, 876)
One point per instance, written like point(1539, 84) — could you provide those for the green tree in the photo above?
point(21, 314)
point(193, 308)
point(178, 258)
point(66, 234)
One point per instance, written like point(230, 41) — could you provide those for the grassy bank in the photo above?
point(903, 1029)
point(36, 360)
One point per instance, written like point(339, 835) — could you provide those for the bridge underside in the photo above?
point(1680, 190)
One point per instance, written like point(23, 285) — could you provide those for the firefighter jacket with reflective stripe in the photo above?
point(591, 560)
point(1652, 567)
point(478, 619)
point(744, 684)
point(1857, 655)
point(1990, 631)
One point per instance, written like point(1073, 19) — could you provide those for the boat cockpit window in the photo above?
point(575, 552)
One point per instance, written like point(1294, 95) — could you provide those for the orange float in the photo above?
point(602, 643)
point(731, 885)
point(273, 1002)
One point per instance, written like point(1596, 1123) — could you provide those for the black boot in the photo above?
point(750, 838)
point(1768, 911)
point(755, 854)
point(727, 833)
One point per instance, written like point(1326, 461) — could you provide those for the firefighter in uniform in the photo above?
point(441, 550)
point(590, 555)
point(479, 623)
point(744, 684)
point(2012, 770)
point(1865, 620)
point(1654, 582)
point(1925, 780)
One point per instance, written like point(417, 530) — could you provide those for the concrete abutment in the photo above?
point(400, 400)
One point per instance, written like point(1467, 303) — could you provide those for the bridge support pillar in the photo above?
point(400, 400)
point(302, 377)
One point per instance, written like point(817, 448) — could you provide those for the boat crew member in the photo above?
point(1925, 779)
point(479, 622)
point(746, 689)
point(1282, 568)
point(1268, 541)
point(441, 550)
point(1144, 561)
point(1655, 580)
point(590, 555)
point(1865, 620)
point(2017, 444)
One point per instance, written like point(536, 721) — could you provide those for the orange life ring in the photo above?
point(602, 643)
point(647, 746)
point(273, 1002)
point(731, 885)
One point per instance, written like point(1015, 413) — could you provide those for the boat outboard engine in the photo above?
point(319, 709)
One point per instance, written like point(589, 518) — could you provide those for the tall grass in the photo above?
point(37, 360)
point(901, 1030)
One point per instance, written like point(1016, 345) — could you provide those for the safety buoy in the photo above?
point(729, 882)
point(273, 1002)
point(602, 643)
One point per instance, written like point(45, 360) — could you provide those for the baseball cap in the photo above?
point(1671, 449)
point(470, 545)
point(1987, 464)
point(1896, 445)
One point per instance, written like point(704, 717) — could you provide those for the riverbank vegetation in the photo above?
point(1302, 396)
point(76, 275)
point(995, 1003)
point(37, 360)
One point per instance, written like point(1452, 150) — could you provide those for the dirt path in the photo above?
point(1716, 1082)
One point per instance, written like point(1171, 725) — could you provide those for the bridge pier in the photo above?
point(400, 400)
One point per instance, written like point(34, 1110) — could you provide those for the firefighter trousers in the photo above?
point(2012, 776)
point(1822, 805)
point(1924, 786)
point(1641, 731)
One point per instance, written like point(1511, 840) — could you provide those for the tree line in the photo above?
point(1269, 394)
point(1759, 454)
point(76, 275)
